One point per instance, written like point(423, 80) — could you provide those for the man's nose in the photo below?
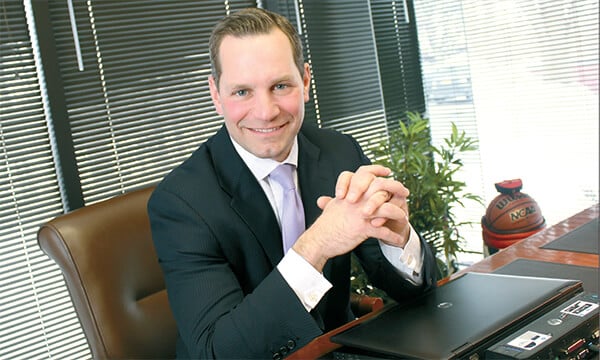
point(265, 107)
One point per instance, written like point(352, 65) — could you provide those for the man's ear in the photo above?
point(214, 94)
point(306, 82)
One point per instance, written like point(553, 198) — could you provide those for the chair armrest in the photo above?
point(364, 304)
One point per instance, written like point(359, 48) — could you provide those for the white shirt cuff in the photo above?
point(407, 261)
point(308, 284)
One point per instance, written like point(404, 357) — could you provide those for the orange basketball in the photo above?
point(513, 213)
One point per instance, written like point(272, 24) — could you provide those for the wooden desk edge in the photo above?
point(529, 248)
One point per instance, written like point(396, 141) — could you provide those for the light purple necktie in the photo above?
point(291, 212)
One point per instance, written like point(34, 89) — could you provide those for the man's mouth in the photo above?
point(266, 130)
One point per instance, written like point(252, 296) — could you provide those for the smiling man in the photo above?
point(217, 220)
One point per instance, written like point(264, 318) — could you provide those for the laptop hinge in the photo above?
point(464, 347)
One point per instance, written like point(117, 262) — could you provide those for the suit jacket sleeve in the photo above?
point(385, 276)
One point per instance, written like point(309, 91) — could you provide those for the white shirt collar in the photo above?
point(261, 168)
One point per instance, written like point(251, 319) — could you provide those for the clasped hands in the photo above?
point(366, 204)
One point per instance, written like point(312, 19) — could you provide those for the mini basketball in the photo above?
point(513, 213)
point(511, 216)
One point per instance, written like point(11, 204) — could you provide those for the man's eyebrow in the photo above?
point(239, 86)
point(277, 80)
point(284, 78)
point(236, 86)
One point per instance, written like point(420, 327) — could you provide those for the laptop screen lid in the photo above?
point(457, 317)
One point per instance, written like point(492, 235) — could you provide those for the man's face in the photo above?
point(261, 94)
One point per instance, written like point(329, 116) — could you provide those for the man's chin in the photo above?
point(273, 154)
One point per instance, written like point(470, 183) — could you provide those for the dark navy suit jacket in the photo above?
point(218, 243)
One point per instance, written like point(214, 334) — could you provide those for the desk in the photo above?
point(529, 248)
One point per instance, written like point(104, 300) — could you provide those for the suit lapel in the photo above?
point(314, 182)
point(247, 197)
point(311, 178)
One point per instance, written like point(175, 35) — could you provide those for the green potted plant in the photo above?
point(428, 171)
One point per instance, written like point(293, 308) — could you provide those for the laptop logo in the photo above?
point(444, 305)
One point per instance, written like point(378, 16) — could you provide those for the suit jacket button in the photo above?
point(283, 350)
point(277, 356)
point(291, 344)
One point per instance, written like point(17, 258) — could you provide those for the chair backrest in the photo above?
point(107, 257)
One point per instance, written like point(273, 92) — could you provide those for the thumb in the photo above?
point(322, 201)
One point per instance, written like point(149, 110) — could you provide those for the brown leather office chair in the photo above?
point(110, 267)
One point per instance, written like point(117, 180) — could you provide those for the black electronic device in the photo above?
point(568, 331)
point(460, 319)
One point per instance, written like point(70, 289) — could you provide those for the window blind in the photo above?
point(37, 319)
point(140, 104)
point(36, 316)
point(522, 77)
point(346, 92)
point(355, 50)
point(398, 58)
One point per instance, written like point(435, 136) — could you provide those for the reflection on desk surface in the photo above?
point(526, 267)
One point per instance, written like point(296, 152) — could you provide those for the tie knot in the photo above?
point(283, 174)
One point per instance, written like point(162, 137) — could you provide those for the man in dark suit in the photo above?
point(215, 219)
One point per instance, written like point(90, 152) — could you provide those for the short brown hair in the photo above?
point(252, 21)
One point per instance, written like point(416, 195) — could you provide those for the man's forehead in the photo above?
point(253, 49)
point(274, 32)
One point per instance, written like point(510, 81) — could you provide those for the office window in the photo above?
point(398, 57)
point(522, 77)
point(364, 61)
point(36, 314)
point(112, 143)
point(135, 86)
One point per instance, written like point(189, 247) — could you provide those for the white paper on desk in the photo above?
point(579, 308)
point(529, 340)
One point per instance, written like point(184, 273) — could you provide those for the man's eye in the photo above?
point(241, 92)
point(280, 86)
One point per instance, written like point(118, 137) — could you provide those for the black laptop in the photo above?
point(456, 320)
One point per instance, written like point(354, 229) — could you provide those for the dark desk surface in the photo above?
point(529, 249)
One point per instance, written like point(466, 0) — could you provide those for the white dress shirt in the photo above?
point(309, 284)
